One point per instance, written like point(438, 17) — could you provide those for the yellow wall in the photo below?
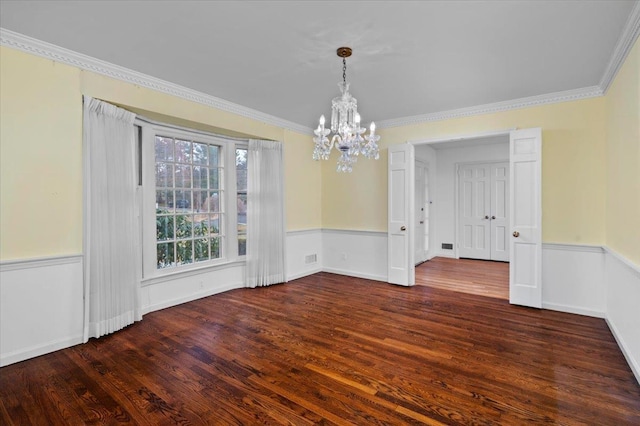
point(573, 170)
point(41, 151)
point(623, 159)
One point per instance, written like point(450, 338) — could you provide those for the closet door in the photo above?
point(484, 211)
point(474, 211)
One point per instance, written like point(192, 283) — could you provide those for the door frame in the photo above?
point(469, 136)
point(456, 200)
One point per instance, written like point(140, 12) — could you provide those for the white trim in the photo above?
point(635, 368)
point(303, 274)
point(39, 262)
point(59, 54)
point(531, 101)
point(355, 274)
point(177, 274)
point(463, 136)
point(38, 350)
point(303, 231)
point(354, 231)
point(620, 258)
point(572, 309)
point(572, 247)
point(191, 297)
point(624, 45)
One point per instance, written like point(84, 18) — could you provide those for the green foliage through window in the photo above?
point(186, 241)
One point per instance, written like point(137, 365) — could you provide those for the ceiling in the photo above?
point(279, 57)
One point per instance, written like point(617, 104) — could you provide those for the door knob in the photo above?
point(486, 217)
point(422, 221)
point(403, 228)
point(516, 234)
point(493, 217)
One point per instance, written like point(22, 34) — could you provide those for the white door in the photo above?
point(400, 246)
point(474, 210)
point(499, 218)
point(525, 246)
point(483, 211)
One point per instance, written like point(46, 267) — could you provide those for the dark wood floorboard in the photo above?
point(328, 349)
point(481, 277)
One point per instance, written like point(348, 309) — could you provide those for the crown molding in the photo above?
point(531, 101)
point(59, 54)
point(69, 57)
point(624, 45)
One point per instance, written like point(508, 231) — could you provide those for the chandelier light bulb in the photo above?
point(348, 137)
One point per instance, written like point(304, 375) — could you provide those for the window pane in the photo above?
point(183, 176)
point(214, 178)
point(200, 204)
point(164, 149)
point(164, 201)
point(201, 249)
point(184, 252)
point(164, 175)
point(164, 228)
point(241, 169)
point(242, 209)
point(165, 253)
point(200, 177)
point(183, 152)
point(214, 201)
point(214, 224)
point(215, 248)
point(184, 226)
point(200, 153)
point(242, 245)
point(183, 201)
point(201, 226)
point(214, 155)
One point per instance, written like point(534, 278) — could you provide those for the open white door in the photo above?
point(400, 217)
point(525, 247)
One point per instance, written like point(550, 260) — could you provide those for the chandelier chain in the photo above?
point(344, 70)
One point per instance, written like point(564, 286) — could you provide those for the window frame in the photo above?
point(228, 208)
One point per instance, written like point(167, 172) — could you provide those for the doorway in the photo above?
point(422, 212)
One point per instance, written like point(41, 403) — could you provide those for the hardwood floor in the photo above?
point(481, 277)
point(328, 349)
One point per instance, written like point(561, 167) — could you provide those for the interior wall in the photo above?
point(623, 159)
point(41, 151)
point(573, 172)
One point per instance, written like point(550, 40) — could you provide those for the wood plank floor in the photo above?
point(481, 277)
point(328, 349)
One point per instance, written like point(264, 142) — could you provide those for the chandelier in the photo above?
point(345, 125)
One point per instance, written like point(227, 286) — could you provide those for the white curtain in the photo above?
point(265, 214)
point(112, 287)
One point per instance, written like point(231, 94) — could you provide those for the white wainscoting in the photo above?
point(171, 290)
point(573, 279)
point(622, 279)
point(355, 253)
point(302, 248)
point(41, 306)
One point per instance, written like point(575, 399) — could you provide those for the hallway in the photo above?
point(479, 277)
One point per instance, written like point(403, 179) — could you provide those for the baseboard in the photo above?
point(355, 274)
point(624, 348)
point(303, 274)
point(573, 310)
point(38, 350)
point(191, 297)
